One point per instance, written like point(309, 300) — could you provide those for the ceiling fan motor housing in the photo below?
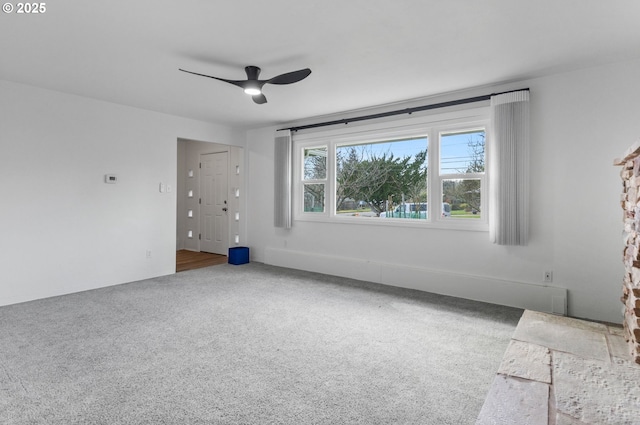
point(252, 72)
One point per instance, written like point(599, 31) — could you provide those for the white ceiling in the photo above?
point(362, 53)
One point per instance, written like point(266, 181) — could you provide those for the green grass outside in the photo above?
point(456, 214)
point(358, 210)
point(463, 214)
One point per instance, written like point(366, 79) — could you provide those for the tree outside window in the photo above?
point(373, 177)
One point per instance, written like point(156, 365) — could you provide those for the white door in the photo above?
point(214, 227)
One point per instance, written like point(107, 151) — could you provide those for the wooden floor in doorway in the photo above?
point(189, 260)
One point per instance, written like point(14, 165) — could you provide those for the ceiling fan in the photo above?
point(252, 86)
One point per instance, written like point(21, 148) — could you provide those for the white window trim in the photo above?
point(431, 126)
point(304, 181)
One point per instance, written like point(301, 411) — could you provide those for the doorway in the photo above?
point(208, 174)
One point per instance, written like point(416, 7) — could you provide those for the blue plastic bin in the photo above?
point(238, 255)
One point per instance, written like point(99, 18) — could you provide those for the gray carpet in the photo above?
point(249, 344)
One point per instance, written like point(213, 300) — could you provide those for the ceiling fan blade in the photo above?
point(239, 83)
point(290, 77)
point(259, 98)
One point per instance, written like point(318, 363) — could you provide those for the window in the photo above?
point(462, 170)
point(371, 178)
point(420, 172)
point(314, 177)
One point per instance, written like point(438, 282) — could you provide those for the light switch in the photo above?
point(110, 178)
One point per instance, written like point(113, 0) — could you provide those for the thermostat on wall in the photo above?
point(110, 178)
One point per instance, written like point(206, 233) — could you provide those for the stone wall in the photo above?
point(630, 202)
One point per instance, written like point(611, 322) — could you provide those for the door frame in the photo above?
point(187, 179)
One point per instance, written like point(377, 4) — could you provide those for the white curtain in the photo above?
point(282, 184)
point(509, 169)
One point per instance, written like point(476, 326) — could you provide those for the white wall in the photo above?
point(62, 228)
point(580, 121)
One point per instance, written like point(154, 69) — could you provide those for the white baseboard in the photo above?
point(480, 288)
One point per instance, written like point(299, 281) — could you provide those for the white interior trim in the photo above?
point(480, 288)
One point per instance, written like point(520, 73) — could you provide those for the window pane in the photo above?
point(315, 163)
point(314, 197)
point(463, 196)
point(407, 210)
point(374, 177)
point(462, 152)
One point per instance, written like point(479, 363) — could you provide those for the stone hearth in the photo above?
point(563, 371)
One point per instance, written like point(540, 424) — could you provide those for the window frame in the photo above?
point(483, 177)
point(314, 181)
point(430, 126)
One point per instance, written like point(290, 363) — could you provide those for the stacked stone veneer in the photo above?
point(630, 202)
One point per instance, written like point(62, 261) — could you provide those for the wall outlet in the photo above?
point(548, 276)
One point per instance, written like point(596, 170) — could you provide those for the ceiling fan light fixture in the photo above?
point(252, 89)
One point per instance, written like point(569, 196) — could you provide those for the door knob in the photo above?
point(224, 209)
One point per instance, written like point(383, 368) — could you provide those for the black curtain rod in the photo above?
point(402, 111)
